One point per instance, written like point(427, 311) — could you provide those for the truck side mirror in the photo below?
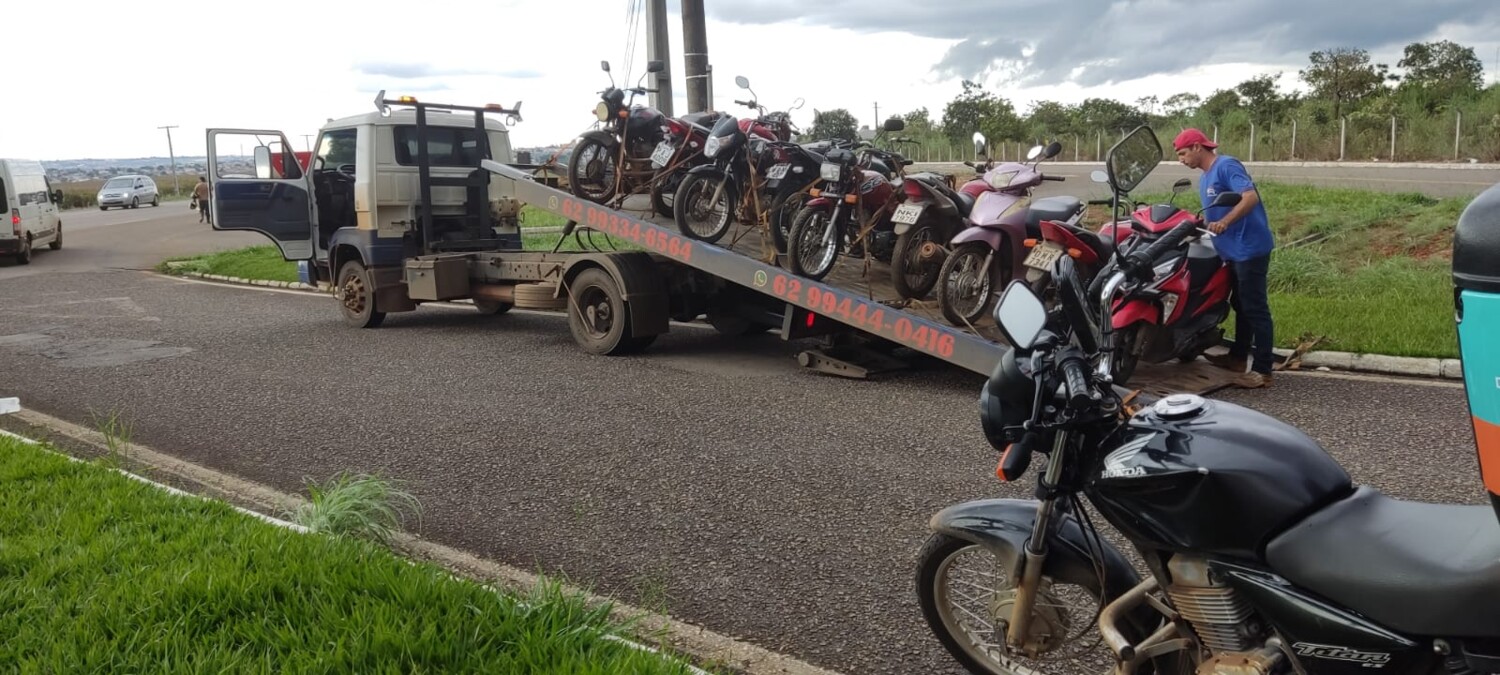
point(57, 196)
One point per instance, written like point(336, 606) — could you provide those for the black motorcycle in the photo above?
point(1261, 556)
point(615, 160)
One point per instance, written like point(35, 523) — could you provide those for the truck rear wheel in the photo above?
point(599, 317)
point(356, 295)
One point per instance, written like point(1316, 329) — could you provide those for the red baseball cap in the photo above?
point(1190, 137)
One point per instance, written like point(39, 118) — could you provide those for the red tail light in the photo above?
point(782, 155)
point(810, 318)
point(913, 190)
point(15, 220)
point(676, 126)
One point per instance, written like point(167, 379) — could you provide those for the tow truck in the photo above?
point(421, 204)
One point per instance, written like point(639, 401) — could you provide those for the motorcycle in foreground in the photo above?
point(1261, 556)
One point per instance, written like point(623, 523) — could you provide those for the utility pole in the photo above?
point(659, 48)
point(306, 143)
point(695, 55)
point(876, 124)
point(176, 190)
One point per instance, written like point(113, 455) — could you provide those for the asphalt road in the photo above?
point(710, 475)
point(1430, 181)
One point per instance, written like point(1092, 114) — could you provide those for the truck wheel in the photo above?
point(56, 244)
point(599, 317)
point(356, 294)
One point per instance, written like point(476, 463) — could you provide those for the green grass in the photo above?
point(255, 262)
point(100, 573)
point(1378, 281)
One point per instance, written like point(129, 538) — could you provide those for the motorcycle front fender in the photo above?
point(1003, 526)
point(992, 237)
point(1132, 312)
point(608, 139)
point(818, 203)
point(713, 171)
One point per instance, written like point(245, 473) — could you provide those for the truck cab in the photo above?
point(359, 194)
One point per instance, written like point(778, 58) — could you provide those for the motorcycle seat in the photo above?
point(1052, 208)
point(965, 203)
point(1421, 569)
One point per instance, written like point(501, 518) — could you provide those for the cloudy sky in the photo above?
point(101, 77)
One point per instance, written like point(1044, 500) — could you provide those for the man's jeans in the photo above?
point(1253, 331)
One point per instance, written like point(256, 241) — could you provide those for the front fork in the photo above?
point(1019, 626)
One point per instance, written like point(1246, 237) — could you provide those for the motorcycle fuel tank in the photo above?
point(645, 123)
point(1211, 478)
point(1476, 278)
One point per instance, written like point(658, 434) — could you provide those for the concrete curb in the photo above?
point(292, 285)
point(1447, 369)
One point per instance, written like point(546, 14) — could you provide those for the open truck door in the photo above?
point(268, 191)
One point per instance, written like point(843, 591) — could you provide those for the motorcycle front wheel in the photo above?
point(592, 171)
point(702, 209)
point(815, 242)
point(965, 288)
point(960, 587)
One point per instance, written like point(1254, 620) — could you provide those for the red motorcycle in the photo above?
point(1177, 312)
point(852, 207)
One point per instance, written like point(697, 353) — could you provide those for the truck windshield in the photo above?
point(446, 146)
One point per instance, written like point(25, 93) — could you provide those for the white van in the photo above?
point(128, 192)
point(31, 205)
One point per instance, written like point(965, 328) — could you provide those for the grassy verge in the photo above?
point(1368, 271)
point(100, 573)
point(255, 262)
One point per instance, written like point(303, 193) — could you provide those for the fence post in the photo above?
point(1216, 134)
point(1099, 145)
point(1075, 147)
point(1458, 130)
point(1393, 138)
point(1343, 135)
point(1252, 141)
point(1294, 139)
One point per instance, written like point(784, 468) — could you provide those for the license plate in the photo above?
point(1043, 256)
point(663, 153)
point(778, 172)
point(907, 214)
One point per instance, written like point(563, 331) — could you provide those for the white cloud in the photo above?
point(104, 79)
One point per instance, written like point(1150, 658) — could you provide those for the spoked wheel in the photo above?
point(702, 208)
point(965, 288)
point(783, 215)
point(591, 171)
point(356, 296)
point(916, 261)
point(815, 243)
point(598, 316)
point(962, 589)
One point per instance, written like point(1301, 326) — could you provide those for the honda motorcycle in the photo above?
point(990, 252)
point(1261, 556)
point(616, 160)
point(678, 153)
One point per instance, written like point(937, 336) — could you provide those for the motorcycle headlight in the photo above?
point(711, 148)
point(601, 111)
point(831, 172)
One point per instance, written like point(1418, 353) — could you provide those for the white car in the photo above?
point(128, 192)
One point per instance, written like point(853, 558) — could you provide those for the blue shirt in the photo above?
point(1250, 236)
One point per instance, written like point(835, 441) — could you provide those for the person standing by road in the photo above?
point(200, 195)
point(1244, 241)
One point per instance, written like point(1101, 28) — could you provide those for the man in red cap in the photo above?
point(1244, 241)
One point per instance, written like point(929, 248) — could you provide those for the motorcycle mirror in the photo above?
point(741, 82)
point(980, 143)
point(1034, 152)
point(894, 124)
point(604, 65)
point(1053, 149)
point(1226, 199)
point(1020, 314)
point(655, 66)
point(1180, 185)
point(1133, 158)
point(797, 104)
point(1099, 176)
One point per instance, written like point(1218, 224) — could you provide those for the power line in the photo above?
point(176, 189)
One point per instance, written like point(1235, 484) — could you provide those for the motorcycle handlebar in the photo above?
point(1076, 383)
point(1100, 202)
point(1056, 178)
point(1139, 263)
point(747, 104)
